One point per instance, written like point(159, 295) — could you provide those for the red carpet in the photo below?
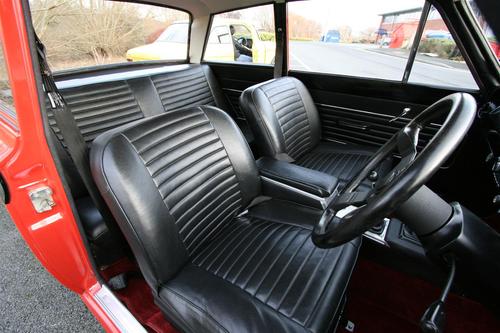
point(379, 300)
point(138, 298)
point(494, 222)
point(384, 300)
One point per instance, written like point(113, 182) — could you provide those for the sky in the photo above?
point(358, 14)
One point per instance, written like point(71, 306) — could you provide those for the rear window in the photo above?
point(97, 32)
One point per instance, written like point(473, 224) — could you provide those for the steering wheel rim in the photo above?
point(403, 180)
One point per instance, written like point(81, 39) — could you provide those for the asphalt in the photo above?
point(372, 62)
point(31, 300)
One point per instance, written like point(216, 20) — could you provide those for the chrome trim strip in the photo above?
point(370, 113)
point(233, 90)
point(379, 238)
point(118, 313)
point(324, 202)
point(46, 221)
point(131, 74)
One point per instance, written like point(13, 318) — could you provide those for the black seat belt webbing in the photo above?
point(72, 136)
point(280, 27)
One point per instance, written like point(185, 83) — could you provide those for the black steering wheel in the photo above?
point(353, 212)
point(243, 45)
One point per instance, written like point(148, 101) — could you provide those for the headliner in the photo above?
point(200, 8)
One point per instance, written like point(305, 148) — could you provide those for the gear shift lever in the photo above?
point(433, 320)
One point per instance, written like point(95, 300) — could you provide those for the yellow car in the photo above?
point(229, 40)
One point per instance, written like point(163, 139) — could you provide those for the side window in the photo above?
point(370, 39)
point(6, 101)
point(220, 35)
point(245, 35)
point(438, 61)
point(373, 40)
point(98, 32)
point(240, 31)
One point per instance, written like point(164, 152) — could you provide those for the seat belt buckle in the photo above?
point(55, 100)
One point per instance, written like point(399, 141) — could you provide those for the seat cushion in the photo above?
point(343, 161)
point(262, 276)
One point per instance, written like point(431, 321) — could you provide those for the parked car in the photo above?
point(170, 45)
point(331, 36)
point(223, 45)
point(437, 34)
point(347, 189)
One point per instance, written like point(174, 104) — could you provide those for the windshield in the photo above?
point(175, 33)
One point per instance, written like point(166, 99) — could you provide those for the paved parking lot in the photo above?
point(373, 62)
point(31, 300)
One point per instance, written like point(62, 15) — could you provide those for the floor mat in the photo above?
point(384, 300)
point(137, 297)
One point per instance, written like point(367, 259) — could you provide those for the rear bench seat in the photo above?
point(103, 102)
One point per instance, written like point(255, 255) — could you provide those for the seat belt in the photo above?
point(72, 136)
point(279, 56)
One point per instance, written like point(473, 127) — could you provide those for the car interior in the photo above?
point(241, 197)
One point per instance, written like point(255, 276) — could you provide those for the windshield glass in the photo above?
point(176, 33)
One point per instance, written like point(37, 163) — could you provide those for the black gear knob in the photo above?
point(373, 176)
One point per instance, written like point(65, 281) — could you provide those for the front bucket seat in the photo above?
point(183, 187)
point(286, 126)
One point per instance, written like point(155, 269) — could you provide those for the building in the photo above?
point(398, 28)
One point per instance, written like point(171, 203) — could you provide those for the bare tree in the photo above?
point(96, 31)
point(303, 28)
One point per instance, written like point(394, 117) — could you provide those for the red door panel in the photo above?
point(26, 164)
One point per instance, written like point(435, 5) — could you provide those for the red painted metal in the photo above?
point(26, 164)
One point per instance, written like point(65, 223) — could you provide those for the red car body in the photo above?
point(496, 48)
point(26, 164)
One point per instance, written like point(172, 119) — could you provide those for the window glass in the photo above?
point(245, 35)
point(438, 61)
point(96, 32)
point(175, 33)
point(6, 101)
point(361, 38)
point(488, 33)
point(220, 35)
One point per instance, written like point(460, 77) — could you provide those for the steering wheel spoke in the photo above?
point(377, 158)
point(406, 147)
point(407, 140)
point(357, 198)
